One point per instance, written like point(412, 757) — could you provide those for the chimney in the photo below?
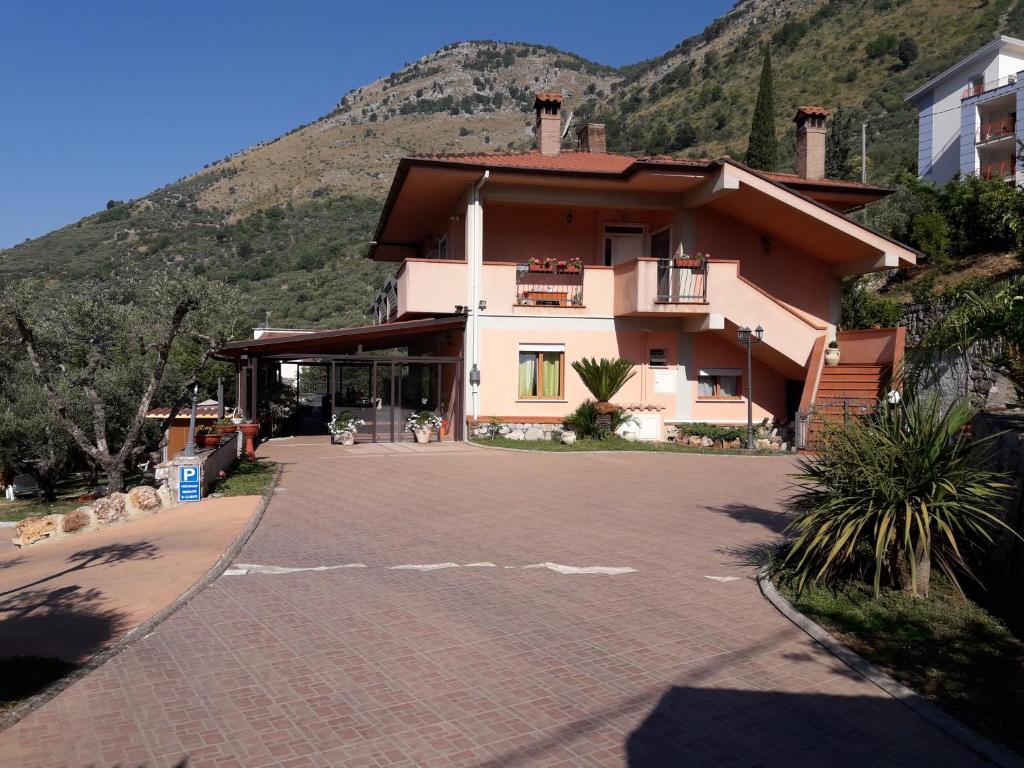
point(810, 142)
point(548, 105)
point(592, 138)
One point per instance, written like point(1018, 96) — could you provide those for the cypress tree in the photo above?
point(762, 147)
point(838, 149)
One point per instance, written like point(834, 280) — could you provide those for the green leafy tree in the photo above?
point(907, 51)
point(762, 146)
point(604, 378)
point(100, 352)
point(839, 147)
point(891, 495)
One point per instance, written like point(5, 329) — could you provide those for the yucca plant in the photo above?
point(892, 493)
point(604, 378)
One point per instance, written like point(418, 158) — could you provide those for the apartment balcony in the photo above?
point(554, 284)
point(997, 131)
point(649, 286)
point(980, 89)
point(1003, 169)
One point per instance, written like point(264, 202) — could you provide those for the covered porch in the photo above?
point(380, 374)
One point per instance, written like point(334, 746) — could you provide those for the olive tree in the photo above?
point(101, 352)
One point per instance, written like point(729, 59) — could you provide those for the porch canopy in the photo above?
point(379, 373)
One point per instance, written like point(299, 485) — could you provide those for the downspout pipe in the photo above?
point(476, 271)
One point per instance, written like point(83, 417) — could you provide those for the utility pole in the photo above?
point(864, 153)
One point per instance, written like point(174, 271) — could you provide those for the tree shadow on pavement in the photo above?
point(88, 558)
point(713, 726)
point(771, 519)
point(66, 623)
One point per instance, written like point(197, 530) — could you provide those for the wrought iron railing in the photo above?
point(829, 413)
point(683, 281)
point(552, 286)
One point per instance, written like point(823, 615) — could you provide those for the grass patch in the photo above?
point(25, 676)
point(946, 648)
point(249, 478)
point(19, 509)
point(612, 444)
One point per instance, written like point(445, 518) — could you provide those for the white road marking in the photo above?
point(244, 569)
point(723, 579)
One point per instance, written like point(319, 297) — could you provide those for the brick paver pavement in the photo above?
point(488, 666)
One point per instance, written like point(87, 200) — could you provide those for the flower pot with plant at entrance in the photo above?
point(343, 427)
point(423, 425)
point(832, 354)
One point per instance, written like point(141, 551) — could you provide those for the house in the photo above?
point(968, 115)
point(510, 266)
point(176, 434)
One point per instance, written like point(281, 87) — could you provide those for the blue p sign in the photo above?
point(189, 487)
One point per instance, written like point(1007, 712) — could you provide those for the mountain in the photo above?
point(289, 219)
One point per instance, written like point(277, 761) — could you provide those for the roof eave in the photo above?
point(998, 42)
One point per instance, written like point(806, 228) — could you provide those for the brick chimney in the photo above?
point(810, 142)
point(592, 139)
point(548, 105)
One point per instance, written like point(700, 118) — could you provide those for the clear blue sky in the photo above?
point(112, 99)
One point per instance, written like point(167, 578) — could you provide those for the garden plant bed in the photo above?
point(612, 444)
point(248, 478)
point(946, 648)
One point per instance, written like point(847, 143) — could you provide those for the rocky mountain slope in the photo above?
point(289, 219)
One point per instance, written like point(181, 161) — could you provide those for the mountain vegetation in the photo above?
point(287, 221)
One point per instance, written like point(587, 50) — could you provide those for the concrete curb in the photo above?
point(773, 455)
point(984, 748)
point(146, 627)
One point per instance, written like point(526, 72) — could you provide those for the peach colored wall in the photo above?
point(500, 361)
point(868, 347)
point(498, 287)
point(787, 273)
point(517, 232)
point(431, 286)
point(712, 351)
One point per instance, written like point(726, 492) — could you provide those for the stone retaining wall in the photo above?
point(1004, 559)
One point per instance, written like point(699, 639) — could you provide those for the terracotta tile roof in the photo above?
point(548, 96)
point(202, 412)
point(567, 161)
point(822, 111)
point(792, 178)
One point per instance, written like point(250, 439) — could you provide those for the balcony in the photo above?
point(555, 285)
point(648, 286)
point(979, 88)
point(1005, 169)
point(997, 130)
point(683, 281)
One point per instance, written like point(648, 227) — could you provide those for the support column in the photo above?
point(254, 376)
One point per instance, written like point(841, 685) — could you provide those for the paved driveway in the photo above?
point(317, 650)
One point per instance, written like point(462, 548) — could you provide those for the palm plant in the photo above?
point(894, 492)
point(604, 378)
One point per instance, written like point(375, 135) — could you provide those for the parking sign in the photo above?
point(189, 488)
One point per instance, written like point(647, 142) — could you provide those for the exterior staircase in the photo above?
point(850, 389)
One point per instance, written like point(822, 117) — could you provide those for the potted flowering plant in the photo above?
point(423, 425)
point(573, 265)
point(344, 427)
point(540, 265)
point(690, 262)
point(250, 430)
point(561, 265)
point(226, 426)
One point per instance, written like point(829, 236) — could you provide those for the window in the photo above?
point(718, 385)
point(658, 358)
point(541, 373)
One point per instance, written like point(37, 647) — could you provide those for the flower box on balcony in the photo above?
point(687, 263)
point(546, 298)
point(571, 269)
point(541, 268)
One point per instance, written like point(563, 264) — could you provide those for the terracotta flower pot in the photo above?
point(249, 432)
point(347, 438)
point(208, 439)
point(227, 429)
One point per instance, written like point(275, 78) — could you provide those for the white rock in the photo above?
point(504, 429)
point(707, 442)
point(762, 444)
point(516, 434)
point(534, 433)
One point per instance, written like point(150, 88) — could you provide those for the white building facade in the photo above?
point(968, 115)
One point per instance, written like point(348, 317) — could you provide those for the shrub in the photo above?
point(716, 433)
point(890, 494)
point(584, 421)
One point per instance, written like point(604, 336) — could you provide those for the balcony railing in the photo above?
point(539, 286)
point(682, 281)
point(1005, 169)
point(385, 306)
point(996, 130)
point(977, 89)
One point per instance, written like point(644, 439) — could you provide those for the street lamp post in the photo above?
point(190, 446)
point(749, 338)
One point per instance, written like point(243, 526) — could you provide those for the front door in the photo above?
point(622, 243)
